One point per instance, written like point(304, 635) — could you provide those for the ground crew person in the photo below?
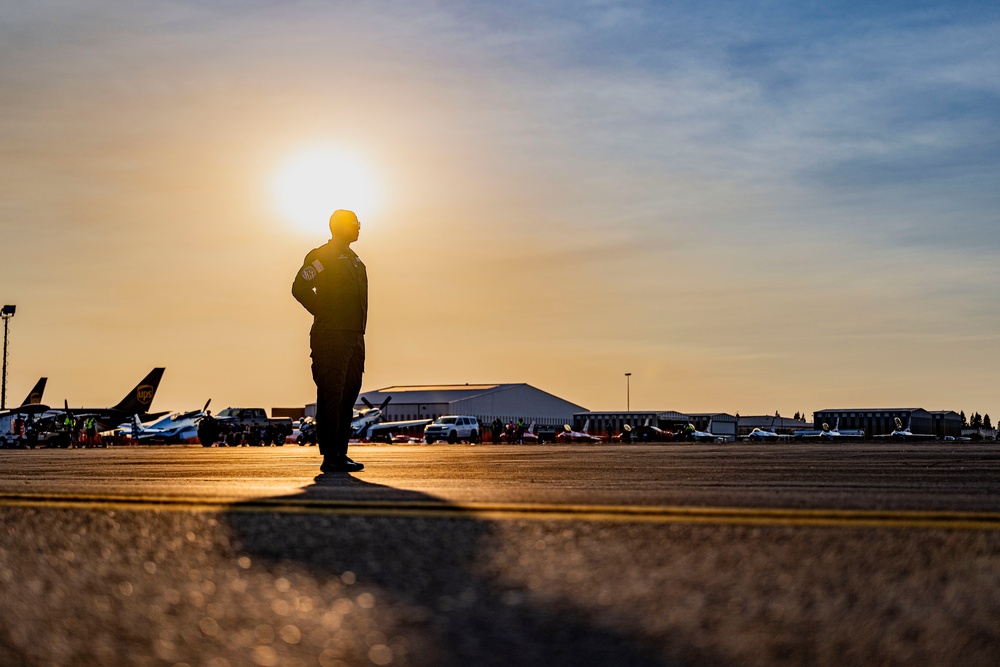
point(90, 429)
point(333, 286)
point(69, 424)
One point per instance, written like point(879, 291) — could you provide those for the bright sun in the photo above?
point(315, 182)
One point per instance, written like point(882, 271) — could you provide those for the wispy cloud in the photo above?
point(667, 179)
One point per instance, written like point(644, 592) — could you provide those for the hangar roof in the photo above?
point(436, 393)
point(873, 410)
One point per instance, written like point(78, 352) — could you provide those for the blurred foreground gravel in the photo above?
point(83, 587)
point(225, 580)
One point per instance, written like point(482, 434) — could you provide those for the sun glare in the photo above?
point(314, 183)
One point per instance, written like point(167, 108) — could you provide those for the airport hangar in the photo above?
point(485, 402)
point(881, 421)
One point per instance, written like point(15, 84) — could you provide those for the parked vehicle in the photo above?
point(244, 426)
point(452, 428)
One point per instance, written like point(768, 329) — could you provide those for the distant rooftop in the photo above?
point(870, 410)
point(435, 393)
point(399, 389)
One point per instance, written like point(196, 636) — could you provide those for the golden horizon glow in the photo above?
point(315, 182)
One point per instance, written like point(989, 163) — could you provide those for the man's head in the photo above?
point(344, 226)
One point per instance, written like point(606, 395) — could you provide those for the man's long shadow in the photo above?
point(429, 563)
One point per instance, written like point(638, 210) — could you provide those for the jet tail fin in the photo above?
point(141, 396)
point(35, 395)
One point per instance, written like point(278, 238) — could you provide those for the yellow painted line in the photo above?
point(748, 516)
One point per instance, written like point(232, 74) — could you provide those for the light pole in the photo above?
point(6, 313)
point(628, 398)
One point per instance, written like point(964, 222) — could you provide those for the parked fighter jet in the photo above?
point(644, 433)
point(367, 423)
point(649, 433)
point(900, 433)
point(569, 435)
point(691, 433)
point(136, 402)
point(528, 437)
point(765, 435)
point(831, 434)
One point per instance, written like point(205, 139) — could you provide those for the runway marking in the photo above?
point(750, 516)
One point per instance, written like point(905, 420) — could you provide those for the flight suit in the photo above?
point(333, 285)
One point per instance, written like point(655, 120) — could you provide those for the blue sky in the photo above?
point(749, 206)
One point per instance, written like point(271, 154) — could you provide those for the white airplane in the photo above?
point(569, 435)
point(900, 433)
point(367, 423)
point(181, 427)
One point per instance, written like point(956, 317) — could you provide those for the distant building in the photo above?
point(722, 424)
point(879, 421)
point(486, 402)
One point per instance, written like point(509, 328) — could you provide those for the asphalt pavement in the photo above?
point(508, 555)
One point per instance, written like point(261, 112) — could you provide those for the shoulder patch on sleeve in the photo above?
point(317, 265)
point(308, 272)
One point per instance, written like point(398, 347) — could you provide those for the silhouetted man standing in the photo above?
point(333, 285)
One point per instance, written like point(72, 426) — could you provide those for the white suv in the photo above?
point(452, 428)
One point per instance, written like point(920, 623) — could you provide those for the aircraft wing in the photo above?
point(28, 409)
point(384, 427)
point(915, 436)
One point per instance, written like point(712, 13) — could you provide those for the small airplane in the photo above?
point(136, 402)
point(367, 423)
point(900, 433)
point(180, 427)
point(569, 435)
point(528, 437)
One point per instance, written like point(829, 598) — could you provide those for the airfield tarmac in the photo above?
point(529, 555)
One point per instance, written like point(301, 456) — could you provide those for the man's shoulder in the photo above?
point(321, 251)
point(331, 252)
